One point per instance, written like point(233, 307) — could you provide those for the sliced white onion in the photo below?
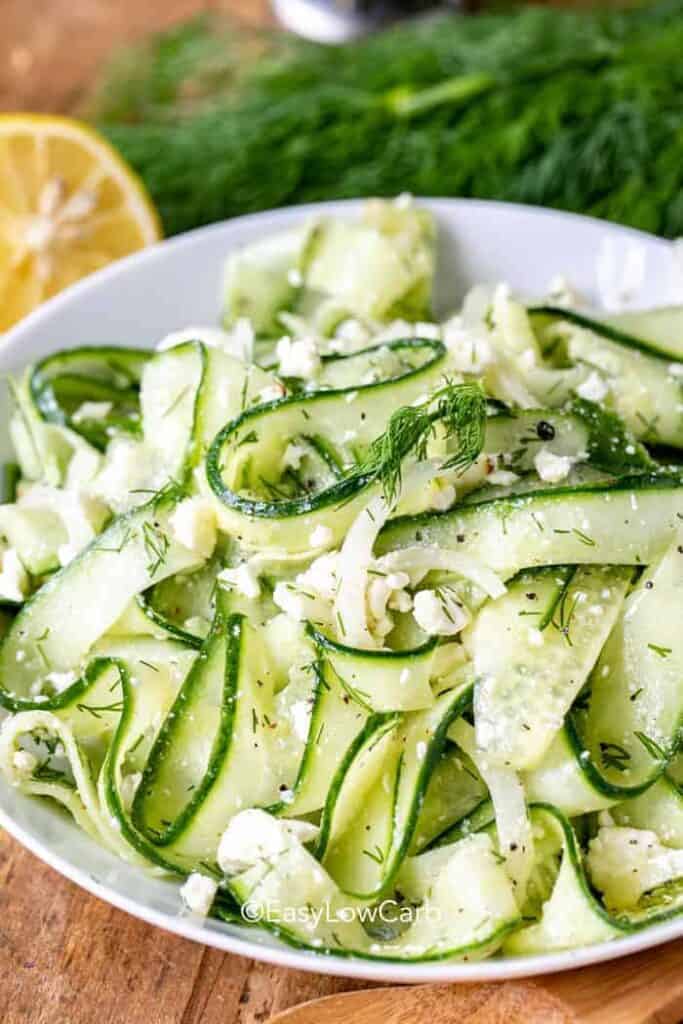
point(418, 560)
point(355, 558)
point(515, 835)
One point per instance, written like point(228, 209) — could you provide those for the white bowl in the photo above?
point(177, 283)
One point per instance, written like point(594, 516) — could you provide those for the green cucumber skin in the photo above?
point(130, 362)
point(227, 630)
point(339, 492)
point(604, 329)
point(459, 701)
point(460, 528)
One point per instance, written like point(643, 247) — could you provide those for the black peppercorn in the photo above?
point(545, 430)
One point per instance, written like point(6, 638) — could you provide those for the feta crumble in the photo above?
point(92, 411)
point(14, 581)
point(198, 893)
point(298, 358)
point(193, 524)
point(552, 468)
point(321, 536)
point(294, 454)
point(300, 713)
point(237, 342)
point(254, 835)
point(271, 393)
point(442, 496)
point(244, 580)
point(62, 680)
point(24, 763)
point(593, 388)
point(439, 613)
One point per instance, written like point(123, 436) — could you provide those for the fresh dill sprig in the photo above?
point(156, 547)
point(615, 756)
point(653, 748)
point(460, 409)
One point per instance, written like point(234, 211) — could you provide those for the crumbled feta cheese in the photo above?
point(290, 601)
point(421, 750)
point(24, 763)
point(252, 835)
point(502, 478)
point(442, 496)
point(237, 342)
point(404, 201)
point(593, 388)
point(350, 336)
point(468, 345)
point(193, 523)
point(321, 576)
point(294, 453)
point(535, 637)
point(321, 536)
point(300, 713)
point(62, 680)
point(387, 591)
point(295, 277)
point(244, 580)
point(439, 613)
point(271, 393)
point(302, 831)
point(128, 468)
point(129, 787)
point(560, 292)
point(92, 411)
point(298, 358)
point(14, 581)
point(397, 330)
point(198, 893)
point(675, 370)
point(552, 468)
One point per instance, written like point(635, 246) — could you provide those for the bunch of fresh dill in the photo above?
point(582, 111)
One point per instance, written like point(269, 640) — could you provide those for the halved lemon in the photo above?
point(68, 205)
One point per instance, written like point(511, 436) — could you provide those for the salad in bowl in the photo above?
point(362, 626)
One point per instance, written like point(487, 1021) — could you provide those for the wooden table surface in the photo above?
point(66, 957)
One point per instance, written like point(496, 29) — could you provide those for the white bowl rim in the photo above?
point(282, 955)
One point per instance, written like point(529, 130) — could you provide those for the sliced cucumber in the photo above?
point(655, 331)
point(61, 384)
point(533, 649)
point(363, 851)
point(467, 907)
point(56, 629)
point(382, 680)
point(645, 388)
point(627, 523)
point(632, 726)
point(245, 461)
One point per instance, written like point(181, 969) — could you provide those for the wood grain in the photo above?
point(50, 50)
point(68, 958)
point(642, 989)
